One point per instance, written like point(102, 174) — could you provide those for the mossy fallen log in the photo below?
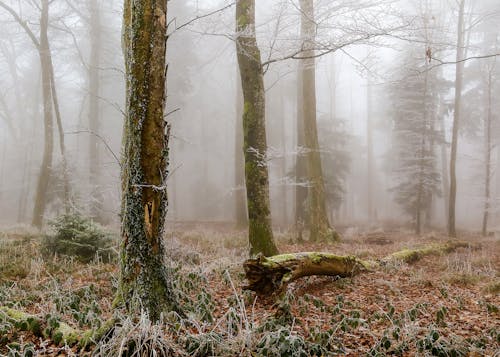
point(415, 254)
point(267, 275)
point(270, 274)
point(59, 332)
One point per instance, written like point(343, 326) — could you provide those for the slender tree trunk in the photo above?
point(241, 215)
point(444, 169)
point(284, 191)
point(255, 144)
point(44, 175)
point(96, 204)
point(319, 226)
point(144, 281)
point(488, 148)
point(456, 121)
point(62, 146)
point(300, 163)
point(369, 152)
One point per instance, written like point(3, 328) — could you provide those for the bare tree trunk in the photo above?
point(241, 215)
point(284, 191)
point(300, 163)
point(44, 175)
point(369, 152)
point(255, 143)
point(62, 146)
point(456, 121)
point(444, 169)
point(319, 227)
point(96, 204)
point(144, 281)
point(488, 148)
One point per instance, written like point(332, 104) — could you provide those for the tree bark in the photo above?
point(255, 143)
point(240, 209)
point(144, 282)
point(44, 175)
point(319, 227)
point(456, 121)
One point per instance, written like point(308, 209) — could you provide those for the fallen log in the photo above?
point(267, 275)
point(60, 333)
point(270, 274)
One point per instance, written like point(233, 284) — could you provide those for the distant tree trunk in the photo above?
point(44, 175)
point(488, 148)
point(444, 168)
point(456, 121)
point(144, 282)
point(300, 163)
point(94, 127)
point(255, 144)
point(283, 173)
point(319, 226)
point(62, 146)
point(369, 152)
point(240, 205)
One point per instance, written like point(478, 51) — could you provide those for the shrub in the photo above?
point(79, 237)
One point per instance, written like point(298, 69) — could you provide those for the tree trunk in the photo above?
point(62, 147)
point(144, 283)
point(456, 121)
point(240, 209)
point(96, 203)
point(43, 178)
point(369, 152)
point(319, 226)
point(488, 148)
point(269, 275)
point(255, 144)
point(444, 168)
point(300, 164)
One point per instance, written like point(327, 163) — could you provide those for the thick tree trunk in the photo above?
point(94, 127)
point(144, 283)
point(255, 144)
point(44, 175)
point(319, 226)
point(269, 275)
point(240, 209)
point(456, 121)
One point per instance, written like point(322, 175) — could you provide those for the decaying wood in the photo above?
point(267, 275)
point(62, 334)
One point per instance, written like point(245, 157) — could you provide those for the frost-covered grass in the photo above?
point(442, 305)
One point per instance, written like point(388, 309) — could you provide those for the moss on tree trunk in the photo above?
point(144, 282)
point(255, 145)
point(48, 121)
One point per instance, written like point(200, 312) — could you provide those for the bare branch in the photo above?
point(21, 22)
point(199, 17)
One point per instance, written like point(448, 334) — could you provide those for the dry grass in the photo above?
point(454, 297)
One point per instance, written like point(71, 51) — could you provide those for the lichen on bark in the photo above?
point(144, 282)
point(255, 145)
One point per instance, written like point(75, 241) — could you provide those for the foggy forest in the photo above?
point(249, 178)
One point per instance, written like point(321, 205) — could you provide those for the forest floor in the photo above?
point(443, 305)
